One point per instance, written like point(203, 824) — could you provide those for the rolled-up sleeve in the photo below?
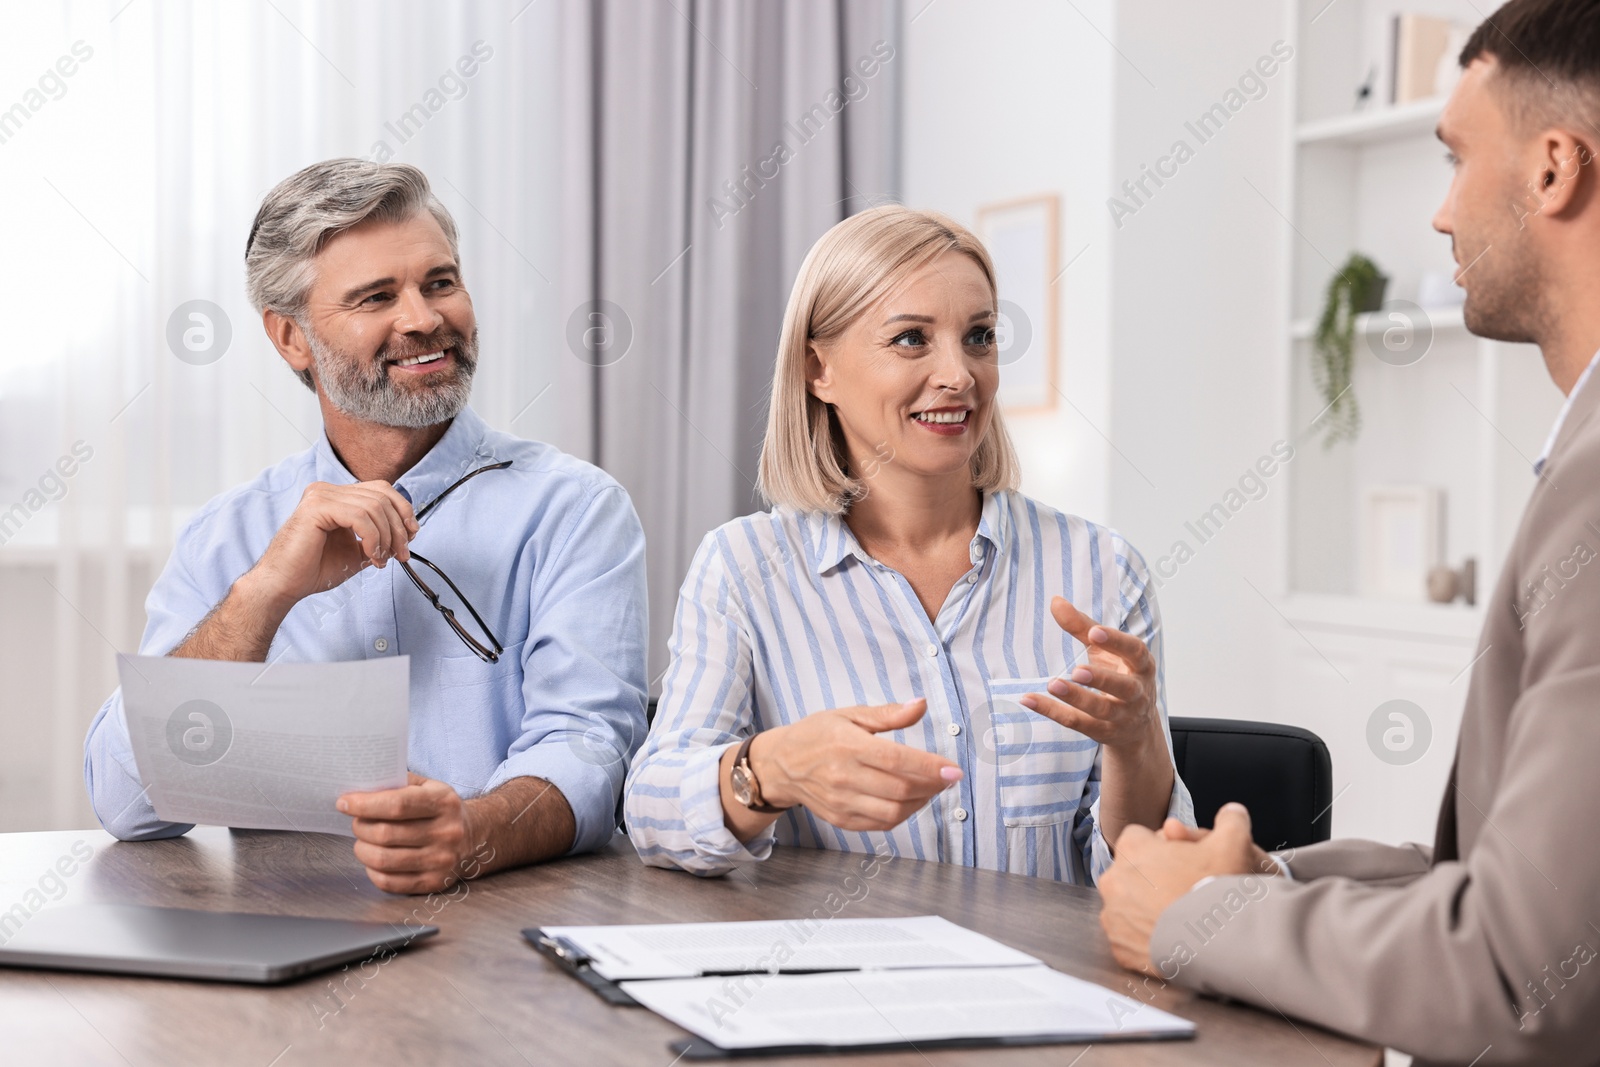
point(583, 667)
point(176, 604)
point(1142, 619)
point(673, 805)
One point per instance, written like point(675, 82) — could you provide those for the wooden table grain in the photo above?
point(478, 994)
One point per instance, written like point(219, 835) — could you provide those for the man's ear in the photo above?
point(289, 339)
point(819, 374)
point(1565, 178)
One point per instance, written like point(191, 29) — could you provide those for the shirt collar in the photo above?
point(464, 447)
point(832, 542)
point(1555, 431)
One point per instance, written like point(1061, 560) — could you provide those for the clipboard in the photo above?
point(910, 965)
point(576, 962)
point(573, 960)
point(879, 1012)
point(696, 1048)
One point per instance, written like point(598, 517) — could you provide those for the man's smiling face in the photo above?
point(390, 324)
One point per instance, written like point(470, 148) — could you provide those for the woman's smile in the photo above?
point(944, 421)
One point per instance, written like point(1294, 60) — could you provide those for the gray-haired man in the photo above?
point(527, 702)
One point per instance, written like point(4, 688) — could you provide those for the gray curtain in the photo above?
point(708, 144)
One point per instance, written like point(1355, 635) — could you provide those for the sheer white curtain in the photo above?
point(136, 140)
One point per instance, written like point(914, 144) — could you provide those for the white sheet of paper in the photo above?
point(880, 1007)
point(683, 950)
point(269, 747)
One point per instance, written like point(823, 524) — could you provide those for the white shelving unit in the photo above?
point(1443, 320)
point(1471, 414)
point(1467, 418)
point(1377, 124)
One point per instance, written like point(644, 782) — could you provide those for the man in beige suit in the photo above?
point(1483, 949)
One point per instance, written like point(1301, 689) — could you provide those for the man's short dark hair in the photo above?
point(1549, 53)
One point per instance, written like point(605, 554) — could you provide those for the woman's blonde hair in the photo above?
point(803, 459)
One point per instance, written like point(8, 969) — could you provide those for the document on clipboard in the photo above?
point(944, 1007)
point(693, 950)
point(814, 986)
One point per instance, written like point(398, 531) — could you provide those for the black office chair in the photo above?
point(649, 717)
point(1283, 774)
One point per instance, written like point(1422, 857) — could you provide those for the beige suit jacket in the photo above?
point(1492, 957)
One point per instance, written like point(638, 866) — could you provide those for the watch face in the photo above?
point(739, 779)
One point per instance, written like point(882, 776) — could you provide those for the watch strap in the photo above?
point(742, 759)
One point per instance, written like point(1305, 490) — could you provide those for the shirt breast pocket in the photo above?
point(1040, 765)
point(470, 672)
point(479, 714)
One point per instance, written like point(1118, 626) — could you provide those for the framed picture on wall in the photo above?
point(1023, 239)
point(1402, 538)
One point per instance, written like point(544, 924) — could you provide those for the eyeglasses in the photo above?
point(490, 652)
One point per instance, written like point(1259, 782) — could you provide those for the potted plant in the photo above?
point(1356, 287)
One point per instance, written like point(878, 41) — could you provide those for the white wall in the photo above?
point(1010, 98)
point(1195, 337)
point(1167, 348)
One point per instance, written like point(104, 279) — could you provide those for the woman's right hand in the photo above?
point(831, 763)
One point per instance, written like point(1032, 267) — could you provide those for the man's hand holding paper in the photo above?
point(265, 746)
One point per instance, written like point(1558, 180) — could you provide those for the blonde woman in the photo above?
point(905, 655)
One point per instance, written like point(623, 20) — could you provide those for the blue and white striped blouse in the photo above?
point(783, 613)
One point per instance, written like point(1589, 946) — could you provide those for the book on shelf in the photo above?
point(1422, 56)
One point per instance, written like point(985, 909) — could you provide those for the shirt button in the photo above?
point(954, 729)
point(960, 814)
point(381, 644)
point(977, 553)
point(972, 578)
point(932, 651)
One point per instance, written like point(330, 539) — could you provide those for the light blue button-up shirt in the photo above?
point(548, 550)
point(784, 614)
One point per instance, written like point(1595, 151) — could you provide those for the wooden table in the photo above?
point(478, 994)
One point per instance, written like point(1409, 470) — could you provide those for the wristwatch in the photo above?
point(746, 790)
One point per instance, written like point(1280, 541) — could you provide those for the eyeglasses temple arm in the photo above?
point(459, 482)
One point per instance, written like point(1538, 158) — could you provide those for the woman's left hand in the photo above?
point(1112, 698)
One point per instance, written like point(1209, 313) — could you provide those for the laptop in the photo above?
point(181, 943)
